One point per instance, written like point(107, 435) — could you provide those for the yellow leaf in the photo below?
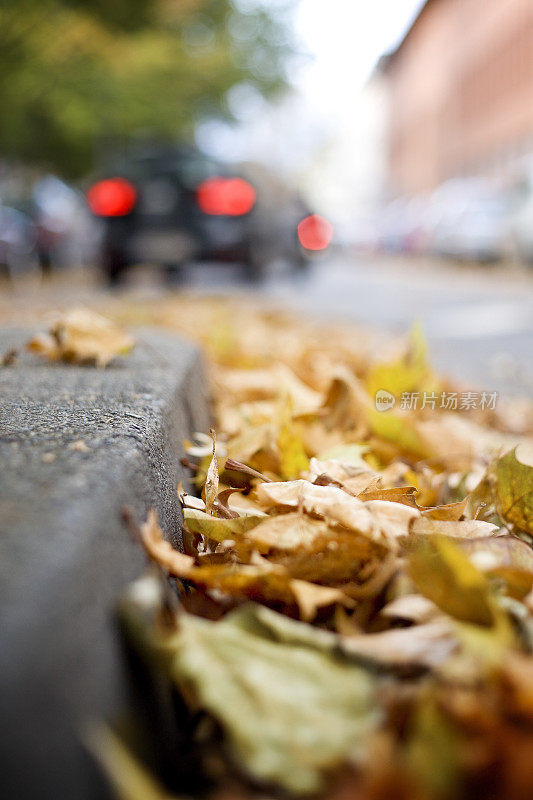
point(445, 575)
point(407, 374)
point(292, 457)
point(400, 431)
point(433, 753)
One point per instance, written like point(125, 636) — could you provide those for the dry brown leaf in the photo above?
point(354, 477)
point(397, 494)
point(451, 511)
point(412, 607)
point(287, 532)
point(428, 645)
point(380, 520)
point(245, 385)
point(333, 559)
point(82, 336)
point(260, 580)
point(46, 345)
point(311, 597)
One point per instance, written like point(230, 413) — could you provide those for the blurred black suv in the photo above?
point(172, 205)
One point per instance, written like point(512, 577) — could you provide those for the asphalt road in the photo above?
point(478, 319)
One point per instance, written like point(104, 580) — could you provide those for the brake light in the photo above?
point(113, 197)
point(232, 197)
point(315, 232)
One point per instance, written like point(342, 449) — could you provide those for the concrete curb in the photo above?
point(65, 554)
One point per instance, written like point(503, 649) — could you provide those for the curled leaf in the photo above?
point(211, 480)
point(162, 551)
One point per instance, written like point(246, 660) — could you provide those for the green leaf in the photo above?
point(433, 751)
point(289, 710)
point(218, 528)
point(346, 454)
point(512, 483)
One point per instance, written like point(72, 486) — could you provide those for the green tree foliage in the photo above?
point(73, 72)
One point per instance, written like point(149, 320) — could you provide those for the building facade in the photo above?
point(460, 93)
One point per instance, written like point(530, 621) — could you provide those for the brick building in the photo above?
point(460, 93)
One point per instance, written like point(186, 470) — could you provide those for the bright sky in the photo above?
point(346, 38)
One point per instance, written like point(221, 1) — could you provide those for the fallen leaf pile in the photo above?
point(352, 614)
point(82, 336)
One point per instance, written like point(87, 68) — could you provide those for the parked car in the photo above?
point(18, 237)
point(519, 227)
point(169, 206)
point(474, 231)
point(469, 220)
point(65, 229)
point(49, 215)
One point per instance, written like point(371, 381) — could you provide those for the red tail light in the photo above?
point(228, 196)
point(114, 197)
point(315, 232)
